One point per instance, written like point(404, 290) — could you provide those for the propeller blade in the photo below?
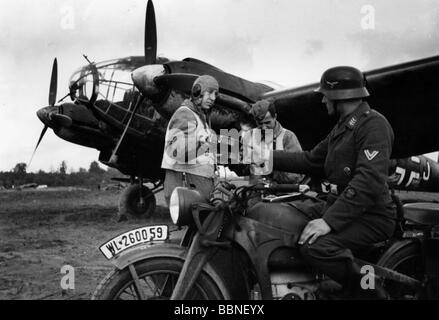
point(177, 81)
point(53, 83)
point(150, 35)
point(43, 132)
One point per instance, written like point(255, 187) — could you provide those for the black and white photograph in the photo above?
point(236, 150)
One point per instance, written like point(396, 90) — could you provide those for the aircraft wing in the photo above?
point(405, 93)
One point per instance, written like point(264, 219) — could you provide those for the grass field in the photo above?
point(43, 230)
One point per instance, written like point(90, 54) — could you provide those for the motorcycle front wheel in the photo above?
point(157, 280)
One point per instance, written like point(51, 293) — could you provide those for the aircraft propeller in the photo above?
point(53, 83)
point(150, 35)
point(52, 99)
point(59, 118)
point(151, 79)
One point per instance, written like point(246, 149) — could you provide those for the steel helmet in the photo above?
point(341, 83)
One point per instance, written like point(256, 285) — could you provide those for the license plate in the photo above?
point(132, 238)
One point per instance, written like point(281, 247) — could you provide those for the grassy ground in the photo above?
point(43, 230)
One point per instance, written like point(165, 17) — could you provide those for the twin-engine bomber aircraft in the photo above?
point(121, 108)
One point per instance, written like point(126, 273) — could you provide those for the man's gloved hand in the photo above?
point(314, 229)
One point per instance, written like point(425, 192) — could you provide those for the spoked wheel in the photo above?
point(407, 261)
point(157, 280)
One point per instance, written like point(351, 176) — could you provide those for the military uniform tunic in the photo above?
point(355, 158)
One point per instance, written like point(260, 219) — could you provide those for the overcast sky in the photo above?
point(284, 41)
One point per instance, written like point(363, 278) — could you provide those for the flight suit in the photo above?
point(188, 157)
point(354, 157)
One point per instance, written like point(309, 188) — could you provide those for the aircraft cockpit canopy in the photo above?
point(108, 87)
point(109, 80)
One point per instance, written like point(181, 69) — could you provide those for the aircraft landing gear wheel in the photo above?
point(131, 206)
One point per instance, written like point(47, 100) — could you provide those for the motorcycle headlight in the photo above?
point(180, 205)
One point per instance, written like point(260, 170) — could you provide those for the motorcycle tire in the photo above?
point(157, 278)
point(407, 260)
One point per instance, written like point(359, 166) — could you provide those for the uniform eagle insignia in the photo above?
point(331, 84)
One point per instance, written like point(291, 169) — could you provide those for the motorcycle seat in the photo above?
point(426, 213)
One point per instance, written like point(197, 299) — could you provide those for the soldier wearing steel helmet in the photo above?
point(188, 156)
point(355, 159)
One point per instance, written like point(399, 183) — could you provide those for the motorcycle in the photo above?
point(234, 250)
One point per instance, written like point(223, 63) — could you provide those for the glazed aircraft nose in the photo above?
point(143, 78)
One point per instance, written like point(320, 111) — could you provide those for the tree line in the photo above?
point(93, 176)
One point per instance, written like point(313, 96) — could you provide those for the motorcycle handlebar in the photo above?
point(282, 187)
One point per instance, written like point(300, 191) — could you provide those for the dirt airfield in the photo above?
point(43, 230)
